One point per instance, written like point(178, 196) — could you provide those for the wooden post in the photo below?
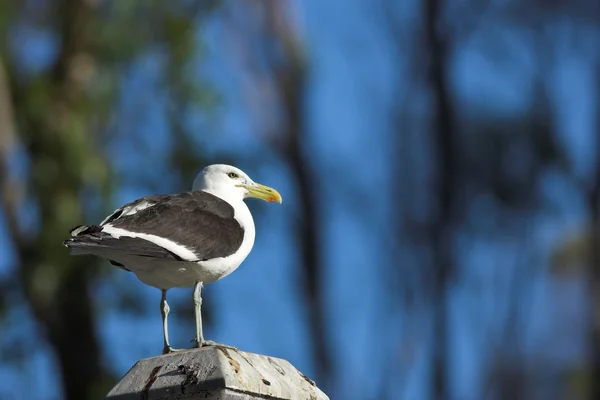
point(214, 372)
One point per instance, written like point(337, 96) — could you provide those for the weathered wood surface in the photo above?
point(214, 373)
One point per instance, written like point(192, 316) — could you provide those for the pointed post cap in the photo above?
point(214, 372)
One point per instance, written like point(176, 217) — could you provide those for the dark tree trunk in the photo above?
point(291, 83)
point(310, 240)
point(444, 145)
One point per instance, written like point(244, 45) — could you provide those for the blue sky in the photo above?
point(260, 307)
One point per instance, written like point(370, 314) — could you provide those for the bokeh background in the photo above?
point(439, 165)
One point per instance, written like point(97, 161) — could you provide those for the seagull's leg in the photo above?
point(199, 339)
point(198, 312)
point(164, 312)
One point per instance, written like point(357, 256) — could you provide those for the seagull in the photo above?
point(180, 240)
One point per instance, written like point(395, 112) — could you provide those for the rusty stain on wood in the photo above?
point(232, 362)
point(150, 381)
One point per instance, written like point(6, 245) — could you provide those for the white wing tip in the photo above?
point(77, 230)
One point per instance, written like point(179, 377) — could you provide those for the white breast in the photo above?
point(223, 266)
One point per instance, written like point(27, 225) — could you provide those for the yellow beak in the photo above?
point(263, 192)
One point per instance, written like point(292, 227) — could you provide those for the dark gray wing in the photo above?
point(200, 221)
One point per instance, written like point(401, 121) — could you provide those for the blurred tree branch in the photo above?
point(444, 141)
point(11, 191)
point(290, 81)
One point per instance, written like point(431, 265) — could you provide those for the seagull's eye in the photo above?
point(233, 175)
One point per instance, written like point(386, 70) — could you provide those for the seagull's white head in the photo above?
point(231, 183)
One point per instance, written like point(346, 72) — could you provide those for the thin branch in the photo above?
point(10, 190)
point(291, 81)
